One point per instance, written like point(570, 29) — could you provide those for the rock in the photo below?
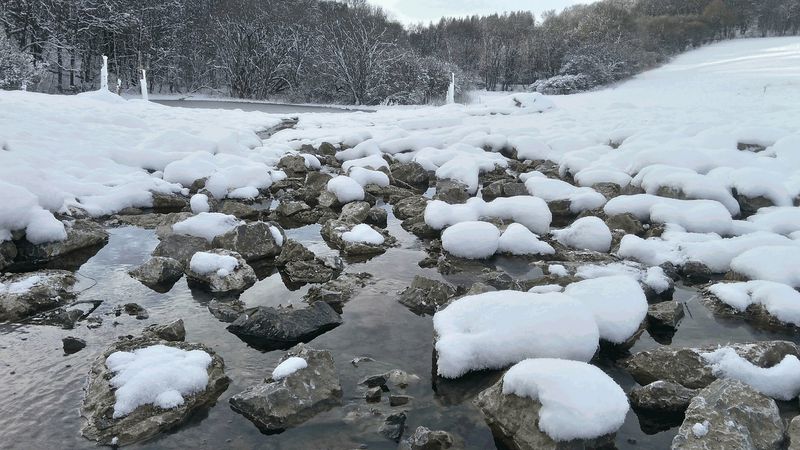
point(737, 417)
point(413, 206)
point(514, 422)
point(425, 439)
point(373, 395)
point(755, 314)
point(410, 176)
point(418, 227)
point(132, 309)
point(332, 232)
point(273, 328)
point(662, 396)
point(253, 241)
point(277, 405)
point(626, 222)
point(289, 209)
point(8, 251)
point(168, 203)
point(751, 205)
point(696, 271)
point(148, 420)
point(338, 291)
point(354, 213)
point(181, 247)
point(241, 278)
point(398, 400)
point(328, 199)
point(82, 234)
point(426, 296)
point(33, 292)
point(503, 188)
point(794, 433)
point(159, 273)
point(238, 209)
point(377, 216)
point(72, 344)
point(226, 311)
point(173, 331)
point(293, 165)
point(665, 314)
point(393, 426)
point(314, 271)
point(686, 367)
point(315, 184)
point(450, 191)
point(293, 251)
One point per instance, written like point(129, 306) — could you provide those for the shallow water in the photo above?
point(41, 389)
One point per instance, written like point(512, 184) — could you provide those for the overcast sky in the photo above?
point(414, 11)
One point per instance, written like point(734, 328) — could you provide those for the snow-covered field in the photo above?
point(706, 147)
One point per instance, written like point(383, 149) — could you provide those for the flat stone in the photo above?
point(158, 273)
point(662, 396)
point(274, 328)
point(52, 288)
point(426, 296)
point(665, 314)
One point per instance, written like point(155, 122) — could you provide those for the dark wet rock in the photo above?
point(169, 203)
point(426, 439)
point(450, 191)
point(426, 296)
point(609, 190)
point(293, 251)
point(410, 176)
point(314, 184)
point(326, 148)
point(751, 205)
point(297, 211)
point(181, 247)
point(72, 344)
point(338, 291)
point(154, 220)
point(64, 317)
point(253, 241)
point(399, 400)
point(393, 426)
point(328, 200)
point(548, 168)
point(293, 165)
point(282, 327)
point(665, 314)
point(737, 417)
point(132, 309)
point(8, 251)
point(686, 367)
point(662, 396)
point(373, 395)
point(81, 235)
point(418, 227)
point(173, 331)
point(226, 311)
point(158, 273)
point(696, 271)
point(241, 278)
point(514, 422)
point(332, 232)
point(393, 194)
point(755, 314)
point(377, 216)
point(409, 207)
point(626, 222)
point(238, 210)
point(276, 405)
point(25, 294)
point(503, 188)
point(313, 271)
point(145, 421)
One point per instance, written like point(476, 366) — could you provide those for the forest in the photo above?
point(352, 52)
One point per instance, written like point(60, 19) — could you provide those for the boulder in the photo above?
point(83, 236)
point(169, 203)
point(338, 291)
point(173, 331)
point(253, 241)
point(25, 294)
point(794, 433)
point(145, 421)
point(626, 222)
point(755, 314)
point(226, 311)
point(293, 251)
point(662, 396)
point(275, 328)
point(158, 273)
point(154, 220)
point(411, 176)
point(238, 209)
point(686, 367)
point(314, 271)
point(426, 439)
point(181, 247)
point(293, 165)
point(426, 296)
point(409, 207)
point(377, 216)
point(665, 314)
point(450, 191)
point(276, 405)
point(728, 414)
point(72, 344)
point(354, 213)
point(750, 205)
point(332, 232)
point(238, 280)
point(514, 422)
point(8, 251)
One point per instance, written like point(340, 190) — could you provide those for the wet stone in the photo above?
point(72, 344)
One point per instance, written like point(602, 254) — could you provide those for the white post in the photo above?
point(104, 74)
point(143, 84)
point(451, 90)
point(119, 85)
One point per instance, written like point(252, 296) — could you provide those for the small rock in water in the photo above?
point(398, 400)
point(662, 396)
point(173, 331)
point(373, 395)
point(73, 345)
point(158, 273)
point(274, 328)
point(426, 439)
point(393, 426)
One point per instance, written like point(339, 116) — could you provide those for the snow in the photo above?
point(21, 286)
point(276, 235)
point(781, 381)
point(205, 263)
point(771, 263)
point(199, 203)
point(289, 366)
point(780, 300)
point(496, 329)
point(364, 234)
point(207, 225)
point(557, 270)
point(586, 233)
point(701, 216)
point(472, 240)
point(617, 302)
point(531, 212)
point(43, 227)
point(158, 375)
point(700, 429)
point(578, 400)
point(580, 198)
point(364, 176)
point(518, 240)
point(346, 189)
point(779, 219)
point(653, 277)
point(545, 288)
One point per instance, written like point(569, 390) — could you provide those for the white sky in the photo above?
point(414, 11)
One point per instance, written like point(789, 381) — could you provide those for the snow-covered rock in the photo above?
point(586, 233)
point(471, 240)
point(346, 189)
point(221, 271)
point(518, 240)
point(25, 294)
point(617, 302)
point(207, 225)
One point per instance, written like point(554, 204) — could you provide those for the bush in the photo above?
point(564, 84)
point(17, 69)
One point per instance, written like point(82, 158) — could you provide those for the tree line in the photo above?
point(352, 52)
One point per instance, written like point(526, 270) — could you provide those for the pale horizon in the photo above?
point(411, 12)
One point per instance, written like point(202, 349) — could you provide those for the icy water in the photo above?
point(272, 108)
point(41, 389)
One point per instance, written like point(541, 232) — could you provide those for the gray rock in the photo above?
point(293, 165)
point(354, 212)
point(413, 206)
point(332, 232)
point(315, 183)
point(393, 426)
point(399, 400)
point(8, 251)
point(410, 176)
point(686, 367)
point(626, 222)
point(373, 395)
point(338, 291)
point(794, 433)
point(665, 314)
point(241, 278)
point(173, 331)
point(450, 191)
point(289, 209)
point(426, 439)
point(158, 273)
point(277, 405)
point(292, 250)
point(253, 241)
point(662, 396)
point(145, 421)
point(314, 271)
point(34, 292)
point(154, 220)
point(751, 205)
point(273, 328)
point(514, 422)
point(426, 296)
point(755, 314)
point(81, 235)
point(738, 418)
point(181, 247)
point(226, 311)
point(377, 216)
point(132, 309)
point(237, 209)
point(169, 203)
point(72, 344)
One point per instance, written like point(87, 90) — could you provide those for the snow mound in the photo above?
point(346, 189)
point(472, 240)
point(781, 381)
point(586, 233)
point(207, 225)
point(199, 203)
point(205, 263)
point(496, 329)
point(363, 233)
point(781, 220)
point(518, 240)
point(529, 211)
point(579, 401)
point(158, 375)
point(780, 300)
point(288, 367)
point(617, 302)
point(580, 198)
point(653, 277)
point(771, 263)
point(364, 176)
point(701, 216)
